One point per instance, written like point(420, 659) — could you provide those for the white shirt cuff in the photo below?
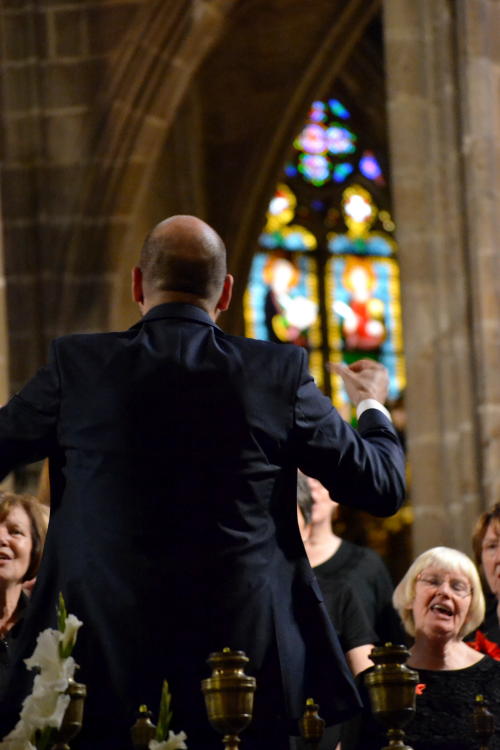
point(371, 403)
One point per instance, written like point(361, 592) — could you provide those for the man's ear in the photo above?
point(227, 293)
point(137, 290)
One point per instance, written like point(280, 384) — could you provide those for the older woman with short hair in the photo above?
point(427, 576)
point(440, 600)
point(23, 526)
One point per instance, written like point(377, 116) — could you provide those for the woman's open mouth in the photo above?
point(442, 609)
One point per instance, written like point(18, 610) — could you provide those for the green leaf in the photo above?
point(164, 714)
point(62, 613)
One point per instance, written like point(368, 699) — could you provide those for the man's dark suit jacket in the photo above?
point(173, 454)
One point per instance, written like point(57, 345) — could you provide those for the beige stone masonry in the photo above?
point(442, 114)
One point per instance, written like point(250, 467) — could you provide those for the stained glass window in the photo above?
point(325, 275)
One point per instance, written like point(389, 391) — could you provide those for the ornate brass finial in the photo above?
point(311, 725)
point(391, 687)
point(73, 716)
point(229, 695)
point(143, 730)
point(483, 722)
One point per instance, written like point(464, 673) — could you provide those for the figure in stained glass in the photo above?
point(362, 315)
point(288, 315)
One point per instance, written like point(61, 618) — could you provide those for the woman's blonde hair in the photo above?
point(452, 561)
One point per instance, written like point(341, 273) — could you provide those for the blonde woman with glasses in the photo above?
point(440, 601)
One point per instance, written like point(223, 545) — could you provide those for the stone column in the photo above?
point(442, 106)
point(4, 348)
point(478, 47)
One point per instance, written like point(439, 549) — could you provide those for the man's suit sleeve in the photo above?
point(28, 421)
point(362, 468)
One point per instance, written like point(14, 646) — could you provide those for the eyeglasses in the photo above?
point(459, 587)
point(490, 548)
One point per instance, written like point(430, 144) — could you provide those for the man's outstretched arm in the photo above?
point(28, 420)
point(363, 468)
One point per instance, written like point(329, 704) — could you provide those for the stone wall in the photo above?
point(89, 90)
point(55, 59)
point(443, 102)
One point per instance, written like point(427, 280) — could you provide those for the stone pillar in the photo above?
point(478, 29)
point(442, 107)
point(4, 348)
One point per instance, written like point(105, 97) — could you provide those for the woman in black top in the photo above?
point(338, 562)
point(440, 600)
point(22, 535)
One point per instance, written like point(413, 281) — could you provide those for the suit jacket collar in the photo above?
point(179, 310)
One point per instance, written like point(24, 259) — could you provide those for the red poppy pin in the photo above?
point(485, 646)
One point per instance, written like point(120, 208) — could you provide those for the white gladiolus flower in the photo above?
point(174, 742)
point(55, 678)
point(47, 704)
point(46, 654)
point(45, 707)
point(18, 738)
point(54, 671)
point(17, 743)
point(71, 628)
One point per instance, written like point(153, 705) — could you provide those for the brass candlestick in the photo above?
point(311, 725)
point(229, 695)
point(483, 722)
point(73, 716)
point(143, 730)
point(391, 687)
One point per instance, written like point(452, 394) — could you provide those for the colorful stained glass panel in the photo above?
point(348, 237)
point(340, 140)
point(313, 139)
point(369, 167)
point(338, 109)
point(364, 314)
point(316, 169)
point(281, 303)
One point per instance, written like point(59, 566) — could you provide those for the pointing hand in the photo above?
point(363, 379)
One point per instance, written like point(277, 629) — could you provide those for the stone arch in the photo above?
point(318, 77)
point(148, 76)
point(237, 209)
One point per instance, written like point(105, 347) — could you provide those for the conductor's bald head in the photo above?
point(183, 254)
point(183, 259)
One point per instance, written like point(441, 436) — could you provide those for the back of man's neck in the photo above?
point(162, 298)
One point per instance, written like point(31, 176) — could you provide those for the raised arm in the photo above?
point(363, 468)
